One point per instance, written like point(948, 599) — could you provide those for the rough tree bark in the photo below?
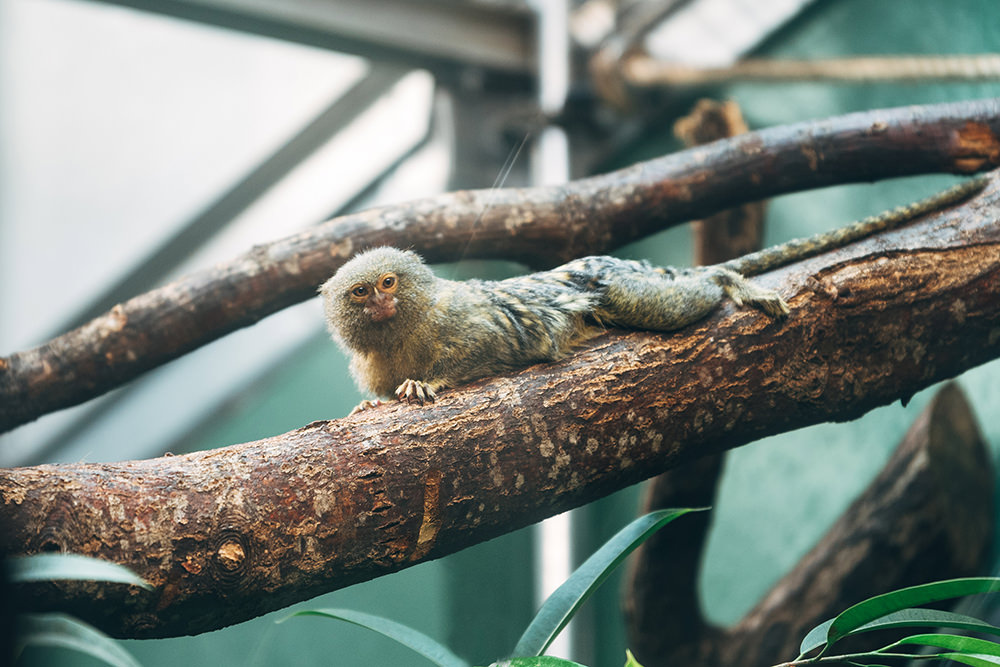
point(538, 226)
point(228, 534)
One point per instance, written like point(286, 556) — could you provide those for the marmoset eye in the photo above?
point(388, 282)
point(359, 291)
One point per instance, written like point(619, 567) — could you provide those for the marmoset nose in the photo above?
point(381, 306)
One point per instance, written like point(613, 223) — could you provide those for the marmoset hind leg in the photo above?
point(641, 296)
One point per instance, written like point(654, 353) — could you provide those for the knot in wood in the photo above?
point(142, 623)
point(60, 525)
point(230, 557)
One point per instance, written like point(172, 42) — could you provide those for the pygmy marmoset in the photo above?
point(411, 334)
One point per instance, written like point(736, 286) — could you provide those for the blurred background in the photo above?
point(145, 139)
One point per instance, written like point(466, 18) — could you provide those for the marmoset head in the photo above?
point(376, 294)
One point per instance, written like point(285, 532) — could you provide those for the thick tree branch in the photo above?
point(226, 535)
point(538, 226)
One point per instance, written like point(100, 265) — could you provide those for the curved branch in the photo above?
point(537, 226)
point(228, 534)
point(928, 515)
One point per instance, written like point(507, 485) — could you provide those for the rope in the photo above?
point(642, 70)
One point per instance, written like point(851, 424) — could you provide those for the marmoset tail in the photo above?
point(412, 334)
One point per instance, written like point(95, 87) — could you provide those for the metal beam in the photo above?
point(441, 36)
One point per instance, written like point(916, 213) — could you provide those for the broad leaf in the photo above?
point(975, 660)
point(907, 618)
point(59, 630)
point(560, 607)
point(60, 567)
point(913, 596)
point(402, 634)
point(815, 638)
point(950, 642)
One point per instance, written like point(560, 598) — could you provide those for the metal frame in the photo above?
point(244, 192)
point(442, 37)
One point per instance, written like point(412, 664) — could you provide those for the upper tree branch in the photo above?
point(537, 226)
point(228, 534)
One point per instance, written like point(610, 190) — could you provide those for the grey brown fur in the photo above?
point(411, 334)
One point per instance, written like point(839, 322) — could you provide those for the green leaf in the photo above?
point(402, 634)
point(630, 660)
point(536, 661)
point(58, 567)
point(913, 596)
point(59, 630)
point(560, 607)
point(815, 638)
point(950, 642)
point(971, 659)
point(906, 618)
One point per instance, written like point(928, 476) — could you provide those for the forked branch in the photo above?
point(537, 226)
